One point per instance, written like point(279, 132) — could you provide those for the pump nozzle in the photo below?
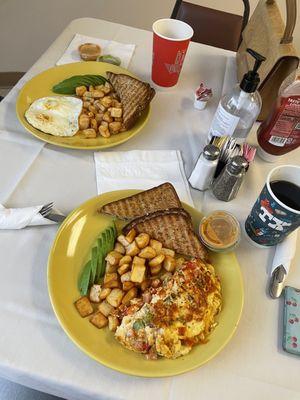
point(251, 79)
point(258, 59)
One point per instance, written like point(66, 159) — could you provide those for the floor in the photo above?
point(28, 27)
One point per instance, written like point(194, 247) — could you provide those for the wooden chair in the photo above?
point(8, 80)
point(213, 27)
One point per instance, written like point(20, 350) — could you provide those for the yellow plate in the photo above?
point(41, 86)
point(67, 257)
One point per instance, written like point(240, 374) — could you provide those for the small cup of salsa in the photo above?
point(220, 231)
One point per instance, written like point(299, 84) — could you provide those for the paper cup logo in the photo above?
point(270, 221)
point(176, 67)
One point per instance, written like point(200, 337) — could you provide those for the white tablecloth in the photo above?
point(34, 350)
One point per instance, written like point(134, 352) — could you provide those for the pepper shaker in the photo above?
point(203, 173)
point(227, 185)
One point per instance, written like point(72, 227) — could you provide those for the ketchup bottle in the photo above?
point(280, 132)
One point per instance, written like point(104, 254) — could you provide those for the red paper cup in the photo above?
point(171, 39)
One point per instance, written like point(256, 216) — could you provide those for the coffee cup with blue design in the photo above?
point(276, 212)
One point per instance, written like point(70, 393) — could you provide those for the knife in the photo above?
point(283, 256)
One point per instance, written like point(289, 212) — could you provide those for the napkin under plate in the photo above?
point(141, 169)
point(108, 47)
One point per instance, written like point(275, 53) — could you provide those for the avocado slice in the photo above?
point(94, 263)
point(101, 256)
point(84, 280)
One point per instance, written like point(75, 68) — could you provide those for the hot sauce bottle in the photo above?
point(280, 132)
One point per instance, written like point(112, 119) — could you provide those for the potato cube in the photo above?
point(89, 133)
point(138, 273)
point(93, 109)
point(109, 269)
point(114, 127)
point(83, 121)
point(104, 293)
point(156, 269)
point(107, 118)
point(157, 260)
point(123, 269)
point(87, 94)
point(97, 94)
point(132, 249)
point(142, 240)
point(126, 277)
point(116, 103)
point(167, 252)
point(84, 306)
point(147, 252)
point(156, 283)
point(103, 131)
point(112, 284)
point(157, 246)
point(105, 308)
point(169, 264)
point(80, 90)
point(107, 88)
point(99, 117)
point(116, 112)
point(127, 285)
point(122, 239)
point(130, 235)
point(145, 284)
point(138, 260)
point(131, 294)
point(99, 320)
point(125, 260)
point(120, 248)
point(115, 297)
point(113, 323)
point(106, 101)
point(94, 124)
point(95, 293)
point(110, 277)
point(113, 257)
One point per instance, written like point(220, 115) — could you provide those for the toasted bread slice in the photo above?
point(170, 211)
point(134, 95)
point(173, 230)
point(158, 198)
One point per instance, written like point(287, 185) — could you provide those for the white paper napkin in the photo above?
point(18, 218)
point(141, 169)
point(121, 50)
point(285, 252)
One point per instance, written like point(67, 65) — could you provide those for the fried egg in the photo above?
point(56, 115)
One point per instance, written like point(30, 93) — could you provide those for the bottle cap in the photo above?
point(267, 156)
point(251, 79)
point(211, 152)
point(237, 164)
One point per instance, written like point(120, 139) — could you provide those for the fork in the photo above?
point(46, 209)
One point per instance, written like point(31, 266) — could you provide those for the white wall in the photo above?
point(28, 27)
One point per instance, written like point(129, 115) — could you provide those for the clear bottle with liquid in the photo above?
point(238, 110)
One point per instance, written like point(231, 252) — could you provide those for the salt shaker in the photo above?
point(227, 185)
point(203, 173)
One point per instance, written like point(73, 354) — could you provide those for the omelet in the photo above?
point(56, 115)
point(180, 314)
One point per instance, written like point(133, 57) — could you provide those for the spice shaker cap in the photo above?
point(237, 164)
point(211, 152)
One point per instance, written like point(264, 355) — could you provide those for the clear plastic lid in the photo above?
point(220, 230)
